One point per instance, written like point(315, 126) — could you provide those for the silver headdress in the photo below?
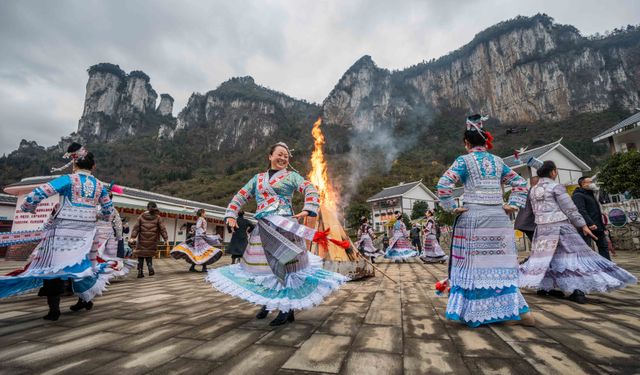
point(476, 123)
point(74, 156)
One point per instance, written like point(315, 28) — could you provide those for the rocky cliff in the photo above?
point(118, 105)
point(520, 71)
point(240, 115)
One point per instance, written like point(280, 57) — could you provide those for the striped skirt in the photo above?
point(484, 268)
point(561, 260)
point(306, 282)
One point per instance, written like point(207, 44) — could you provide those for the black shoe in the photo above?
point(193, 268)
point(282, 318)
point(79, 305)
point(140, 274)
point(151, 272)
point(291, 318)
point(53, 315)
point(542, 293)
point(54, 308)
point(263, 313)
point(578, 297)
point(204, 268)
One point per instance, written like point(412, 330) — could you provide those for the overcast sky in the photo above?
point(298, 47)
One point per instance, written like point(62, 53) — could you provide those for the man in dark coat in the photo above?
point(239, 239)
point(146, 234)
point(589, 208)
point(414, 234)
point(526, 220)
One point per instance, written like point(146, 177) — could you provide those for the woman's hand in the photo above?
point(301, 215)
point(587, 232)
point(460, 210)
point(232, 223)
point(509, 209)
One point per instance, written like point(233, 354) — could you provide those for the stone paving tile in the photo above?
point(597, 349)
point(379, 339)
point(225, 345)
point(257, 360)
point(134, 342)
point(148, 358)
point(373, 364)
point(432, 357)
point(210, 329)
point(290, 335)
point(481, 342)
point(320, 353)
point(83, 363)
point(500, 366)
point(184, 366)
point(342, 325)
point(47, 353)
point(424, 328)
point(553, 359)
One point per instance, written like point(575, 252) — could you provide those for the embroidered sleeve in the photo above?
point(240, 199)
point(105, 201)
point(57, 186)
point(518, 197)
point(568, 207)
point(311, 197)
point(456, 173)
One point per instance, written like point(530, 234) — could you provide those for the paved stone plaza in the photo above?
point(174, 323)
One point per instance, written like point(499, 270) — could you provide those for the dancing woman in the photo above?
point(64, 253)
point(201, 250)
point(560, 259)
point(400, 247)
point(365, 240)
point(433, 252)
point(276, 271)
point(484, 264)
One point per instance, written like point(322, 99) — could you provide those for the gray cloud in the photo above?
point(297, 47)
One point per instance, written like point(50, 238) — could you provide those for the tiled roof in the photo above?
point(629, 121)
point(7, 199)
point(394, 191)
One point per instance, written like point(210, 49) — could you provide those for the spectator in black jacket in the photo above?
point(589, 208)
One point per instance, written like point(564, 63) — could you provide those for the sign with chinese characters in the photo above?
point(27, 221)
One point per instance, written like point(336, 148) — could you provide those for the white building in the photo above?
point(570, 167)
point(177, 214)
point(398, 198)
point(623, 136)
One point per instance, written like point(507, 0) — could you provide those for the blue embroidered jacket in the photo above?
point(273, 195)
point(482, 174)
point(76, 190)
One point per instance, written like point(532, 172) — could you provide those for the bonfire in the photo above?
point(349, 261)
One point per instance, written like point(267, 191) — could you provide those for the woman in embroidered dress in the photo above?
point(276, 271)
point(365, 240)
point(200, 250)
point(484, 264)
point(560, 259)
point(64, 251)
point(400, 247)
point(432, 252)
point(108, 243)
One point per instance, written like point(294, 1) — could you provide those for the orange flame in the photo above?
point(318, 175)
